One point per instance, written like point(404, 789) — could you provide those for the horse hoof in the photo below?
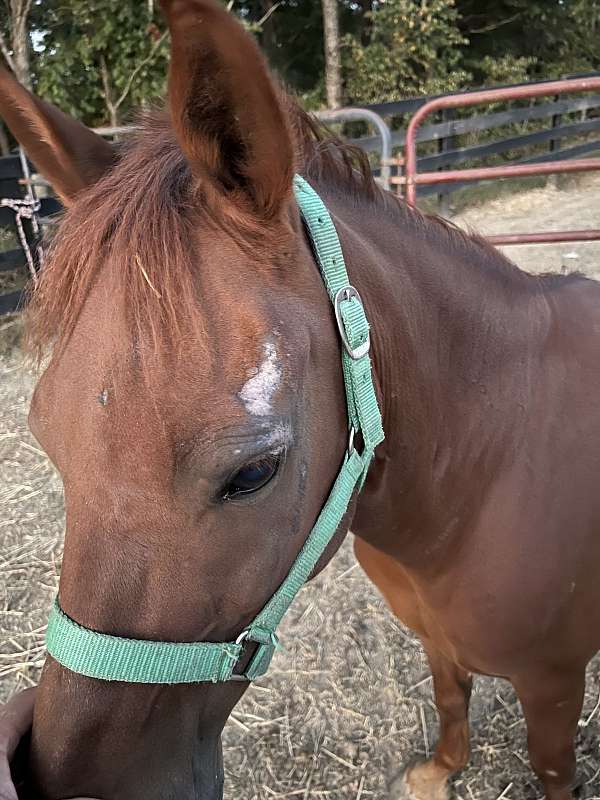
point(424, 781)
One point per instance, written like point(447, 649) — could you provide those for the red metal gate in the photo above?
point(412, 178)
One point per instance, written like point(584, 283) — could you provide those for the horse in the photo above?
point(194, 405)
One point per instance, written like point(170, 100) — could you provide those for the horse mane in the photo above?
point(142, 213)
point(330, 160)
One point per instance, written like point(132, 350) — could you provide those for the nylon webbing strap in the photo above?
point(327, 524)
point(115, 658)
point(99, 655)
point(363, 411)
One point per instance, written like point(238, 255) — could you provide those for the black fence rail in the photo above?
point(13, 261)
point(565, 138)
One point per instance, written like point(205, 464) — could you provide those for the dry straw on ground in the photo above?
point(350, 699)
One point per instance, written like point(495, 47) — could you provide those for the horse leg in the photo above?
point(552, 704)
point(452, 684)
point(428, 780)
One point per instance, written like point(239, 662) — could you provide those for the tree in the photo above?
point(15, 45)
point(17, 49)
point(99, 59)
point(115, 54)
point(509, 32)
point(333, 61)
point(413, 48)
point(578, 51)
point(290, 33)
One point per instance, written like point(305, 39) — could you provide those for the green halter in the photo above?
point(113, 658)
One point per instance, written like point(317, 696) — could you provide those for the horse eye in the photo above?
point(252, 477)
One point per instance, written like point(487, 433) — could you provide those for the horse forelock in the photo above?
point(142, 218)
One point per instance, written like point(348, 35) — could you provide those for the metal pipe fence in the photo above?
point(365, 115)
point(412, 177)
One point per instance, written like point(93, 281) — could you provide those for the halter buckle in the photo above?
point(348, 293)
point(258, 664)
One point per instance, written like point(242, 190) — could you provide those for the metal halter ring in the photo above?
point(243, 635)
point(351, 440)
point(260, 660)
point(347, 293)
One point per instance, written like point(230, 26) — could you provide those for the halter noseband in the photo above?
point(113, 658)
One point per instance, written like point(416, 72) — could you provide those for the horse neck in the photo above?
point(456, 333)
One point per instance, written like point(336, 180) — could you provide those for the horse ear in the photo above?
point(67, 153)
point(226, 111)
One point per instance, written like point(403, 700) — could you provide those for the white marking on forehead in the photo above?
point(258, 391)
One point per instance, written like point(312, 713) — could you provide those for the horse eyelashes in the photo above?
point(252, 477)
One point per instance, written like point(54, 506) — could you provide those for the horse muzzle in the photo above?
point(115, 741)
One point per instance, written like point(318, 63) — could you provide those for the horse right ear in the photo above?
point(69, 155)
point(226, 110)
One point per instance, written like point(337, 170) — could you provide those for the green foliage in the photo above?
point(101, 59)
point(292, 40)
point(505, 69)
point(555, 37)
point(75, 39)
point(413, 48)
point(92, 53)
point(511, 29)
point(578, 50)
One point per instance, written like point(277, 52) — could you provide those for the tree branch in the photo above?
point(139, 67)
point(495, 26)
point(107, 91)
point(20, 44)
point(263, 19)
point(6, 53)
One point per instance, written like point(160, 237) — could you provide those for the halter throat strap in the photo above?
point(115, 658)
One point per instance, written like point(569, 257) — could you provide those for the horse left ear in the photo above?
point(226, 110)
point(67, 153)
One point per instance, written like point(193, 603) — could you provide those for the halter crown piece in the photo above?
point(113, 658)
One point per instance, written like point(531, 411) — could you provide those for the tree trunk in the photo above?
point(4, 143)
point(267, 33)
point(366, 23)
point(333, 61)
point(19, 12)
point(107, 90)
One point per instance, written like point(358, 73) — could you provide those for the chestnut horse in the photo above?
point(194, 406)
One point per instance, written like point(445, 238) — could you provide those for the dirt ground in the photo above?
point(563, 204)
point(349, 700)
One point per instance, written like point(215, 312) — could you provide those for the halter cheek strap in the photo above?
point(114, 658)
